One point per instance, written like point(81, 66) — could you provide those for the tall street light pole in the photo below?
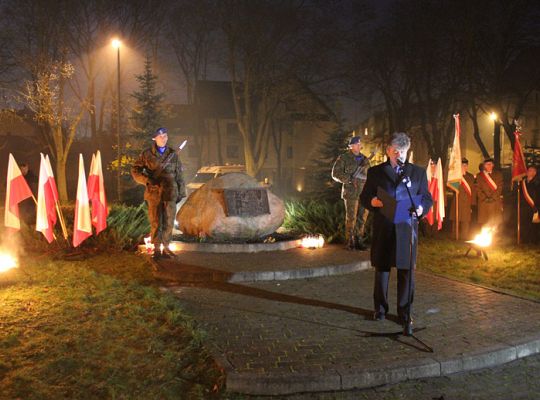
point(496, 139)
point(116, 44)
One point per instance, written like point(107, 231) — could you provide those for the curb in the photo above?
point(358, 377)
point(303, 273)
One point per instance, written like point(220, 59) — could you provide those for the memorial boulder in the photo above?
point(232, 206)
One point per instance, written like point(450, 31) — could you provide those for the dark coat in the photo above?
point(164, 182)
point(390, 242)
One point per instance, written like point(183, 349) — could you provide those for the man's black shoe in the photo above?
point(408, 328)
point(156, 256)
point(378, 316)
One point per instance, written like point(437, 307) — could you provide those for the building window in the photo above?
point(232, 151)
point(232, 130)
point(289, 152)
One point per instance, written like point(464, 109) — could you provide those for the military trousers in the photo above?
point(161, 215)
point(355, 218)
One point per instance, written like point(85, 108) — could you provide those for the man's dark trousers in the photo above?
point(380, 292)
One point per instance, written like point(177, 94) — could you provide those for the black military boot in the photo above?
point(350, 244)
point(359, 244)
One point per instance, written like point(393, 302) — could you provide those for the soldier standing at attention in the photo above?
point(160, 170)
point(350, 169)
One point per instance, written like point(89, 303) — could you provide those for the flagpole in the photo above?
point(62, 221)
point(518, 215)
point(457, 216)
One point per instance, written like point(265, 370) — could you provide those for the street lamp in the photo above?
point(496, 139)
point(116, 43)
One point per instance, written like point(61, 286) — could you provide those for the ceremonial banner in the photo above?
point(82, 226)
point(454, 163)
point(519, 169)
point(96, 194)
point(17, 190)
point(47, 199)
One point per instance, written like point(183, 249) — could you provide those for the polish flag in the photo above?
point(47, 199)
point(17, 190)
point(436, 188)
point(96, 193)
point(82, 226)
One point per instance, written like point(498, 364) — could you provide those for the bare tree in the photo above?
point(45, 97)
point(269, 64)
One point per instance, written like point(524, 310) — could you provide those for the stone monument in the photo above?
point(232, 206)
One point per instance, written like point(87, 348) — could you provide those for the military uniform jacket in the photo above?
point(464, 200)
point(390, 242)
point(489, 201)
point(161, 174)
point(343, 170)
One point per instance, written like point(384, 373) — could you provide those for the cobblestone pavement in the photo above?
point(516, 380)
point(316, 335)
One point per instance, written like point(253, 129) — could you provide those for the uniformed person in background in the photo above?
point(160, 170)
point(489, 184)
point(466, 200)
point(350, 169)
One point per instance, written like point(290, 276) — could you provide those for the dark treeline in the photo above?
point(416, 61)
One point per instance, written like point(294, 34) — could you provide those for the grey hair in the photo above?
point(400, 140)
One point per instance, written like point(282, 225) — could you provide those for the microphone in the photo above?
point(400, 162)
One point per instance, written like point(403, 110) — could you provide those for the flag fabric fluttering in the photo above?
point(454, 163)
point(436, 189)
point(47, 200)
point(96, 194)
point(519, 168)
point(17, 190)
point(82, 225)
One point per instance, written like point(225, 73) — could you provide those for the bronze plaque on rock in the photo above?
point(246, 202)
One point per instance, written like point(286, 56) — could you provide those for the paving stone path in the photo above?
point(315, 335)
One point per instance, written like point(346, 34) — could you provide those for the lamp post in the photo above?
point(116, 43)
point(496, 139)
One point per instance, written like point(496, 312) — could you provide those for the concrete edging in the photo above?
point(352, 377)
point(231, 247)
point(302, 273)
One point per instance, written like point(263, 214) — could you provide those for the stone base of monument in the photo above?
point(178, 246)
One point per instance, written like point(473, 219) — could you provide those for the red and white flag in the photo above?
point(436, 188)
point(96, 194)
point(47, 200)
point(519, 169)
point(82, 225)
point(17, 190)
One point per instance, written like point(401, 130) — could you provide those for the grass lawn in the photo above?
point(95, 329)
point(509, 267)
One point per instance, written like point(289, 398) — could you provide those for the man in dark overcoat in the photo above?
point(390, 245)
point(160, 170)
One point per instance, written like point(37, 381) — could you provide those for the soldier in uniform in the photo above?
point(489, 195)
point(466, 199)
point(160, 170)
point(350, 169)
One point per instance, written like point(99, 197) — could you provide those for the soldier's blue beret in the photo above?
point(354, 140)
point(159, 131)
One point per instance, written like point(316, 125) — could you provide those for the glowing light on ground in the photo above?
point(484, 238)
point(313, 241)
point(7, 262)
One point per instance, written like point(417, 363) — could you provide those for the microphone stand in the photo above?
point(410, 275)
